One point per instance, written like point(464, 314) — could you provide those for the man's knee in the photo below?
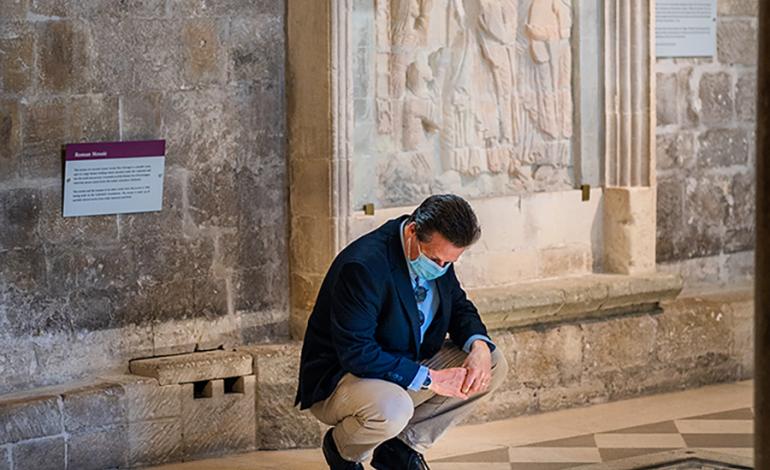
point(391, 412)
point(499, 369)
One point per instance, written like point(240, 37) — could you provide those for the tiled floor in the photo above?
point(717, 418)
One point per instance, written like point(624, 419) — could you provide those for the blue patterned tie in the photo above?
point(420, 293)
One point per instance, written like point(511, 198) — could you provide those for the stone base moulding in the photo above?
point(594, 296)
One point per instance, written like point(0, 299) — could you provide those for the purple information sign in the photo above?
point(96, 150)
point(113, 177)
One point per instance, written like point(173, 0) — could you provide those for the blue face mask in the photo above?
point(425, 267)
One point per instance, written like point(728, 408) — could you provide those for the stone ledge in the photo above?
point(573, 298)
point(194, 367)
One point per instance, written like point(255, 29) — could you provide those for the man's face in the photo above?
point(440, 250)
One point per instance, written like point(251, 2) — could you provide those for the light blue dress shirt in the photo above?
point(428, 308)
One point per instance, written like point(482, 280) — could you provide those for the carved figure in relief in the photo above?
point(497, 29)
point(461, 148)
point(382, 67)
point(482, 95)
point(409, 170)
point(497, 39)
point(420, 113)
point(548, 27)
point(409, 30)
point(497, 98)
point(410, 21)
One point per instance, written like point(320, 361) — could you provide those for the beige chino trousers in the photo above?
point(366, 412)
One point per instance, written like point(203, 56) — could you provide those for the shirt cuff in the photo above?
point(419, 379)
point(469, 343)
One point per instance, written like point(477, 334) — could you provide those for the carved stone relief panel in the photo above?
point(468, 96)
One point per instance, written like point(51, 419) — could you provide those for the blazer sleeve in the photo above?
point(355, 306)
point(465, 320)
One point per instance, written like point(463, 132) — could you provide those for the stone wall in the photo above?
point(697, 339)
point(706, 156)
point(84, 295)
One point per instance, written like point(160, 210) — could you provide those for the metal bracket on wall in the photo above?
point(586, 188)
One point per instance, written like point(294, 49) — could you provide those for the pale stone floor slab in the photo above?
point(717, 418)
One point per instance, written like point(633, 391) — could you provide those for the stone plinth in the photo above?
point(194, 367)
point(629, 230)
point(220, 423)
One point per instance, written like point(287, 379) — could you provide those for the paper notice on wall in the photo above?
point(685, 28)
point(113, 177)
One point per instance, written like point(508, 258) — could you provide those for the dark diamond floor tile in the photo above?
point(719, 440)
point(623, 453)
point(586, 440)
point(742, 413)
point(545, 466)
point(489, 456)
point(664, 427)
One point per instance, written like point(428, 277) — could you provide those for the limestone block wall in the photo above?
point(80, 296)
point(706, 155)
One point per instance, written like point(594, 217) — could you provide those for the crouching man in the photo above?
point(376, 363)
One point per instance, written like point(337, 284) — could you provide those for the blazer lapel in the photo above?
point(399, 271)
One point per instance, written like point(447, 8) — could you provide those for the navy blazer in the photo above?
point(365, 319)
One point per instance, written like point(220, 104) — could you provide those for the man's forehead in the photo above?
point(443, 249)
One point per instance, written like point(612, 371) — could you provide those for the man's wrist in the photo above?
point(419, 378)
point(469, 343)
point(427, 382)
point(480, 343)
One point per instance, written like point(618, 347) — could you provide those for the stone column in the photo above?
point(629, 177)
point(762, 289)
point(319, 81)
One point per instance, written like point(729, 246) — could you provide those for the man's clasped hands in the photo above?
point(471, 378)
